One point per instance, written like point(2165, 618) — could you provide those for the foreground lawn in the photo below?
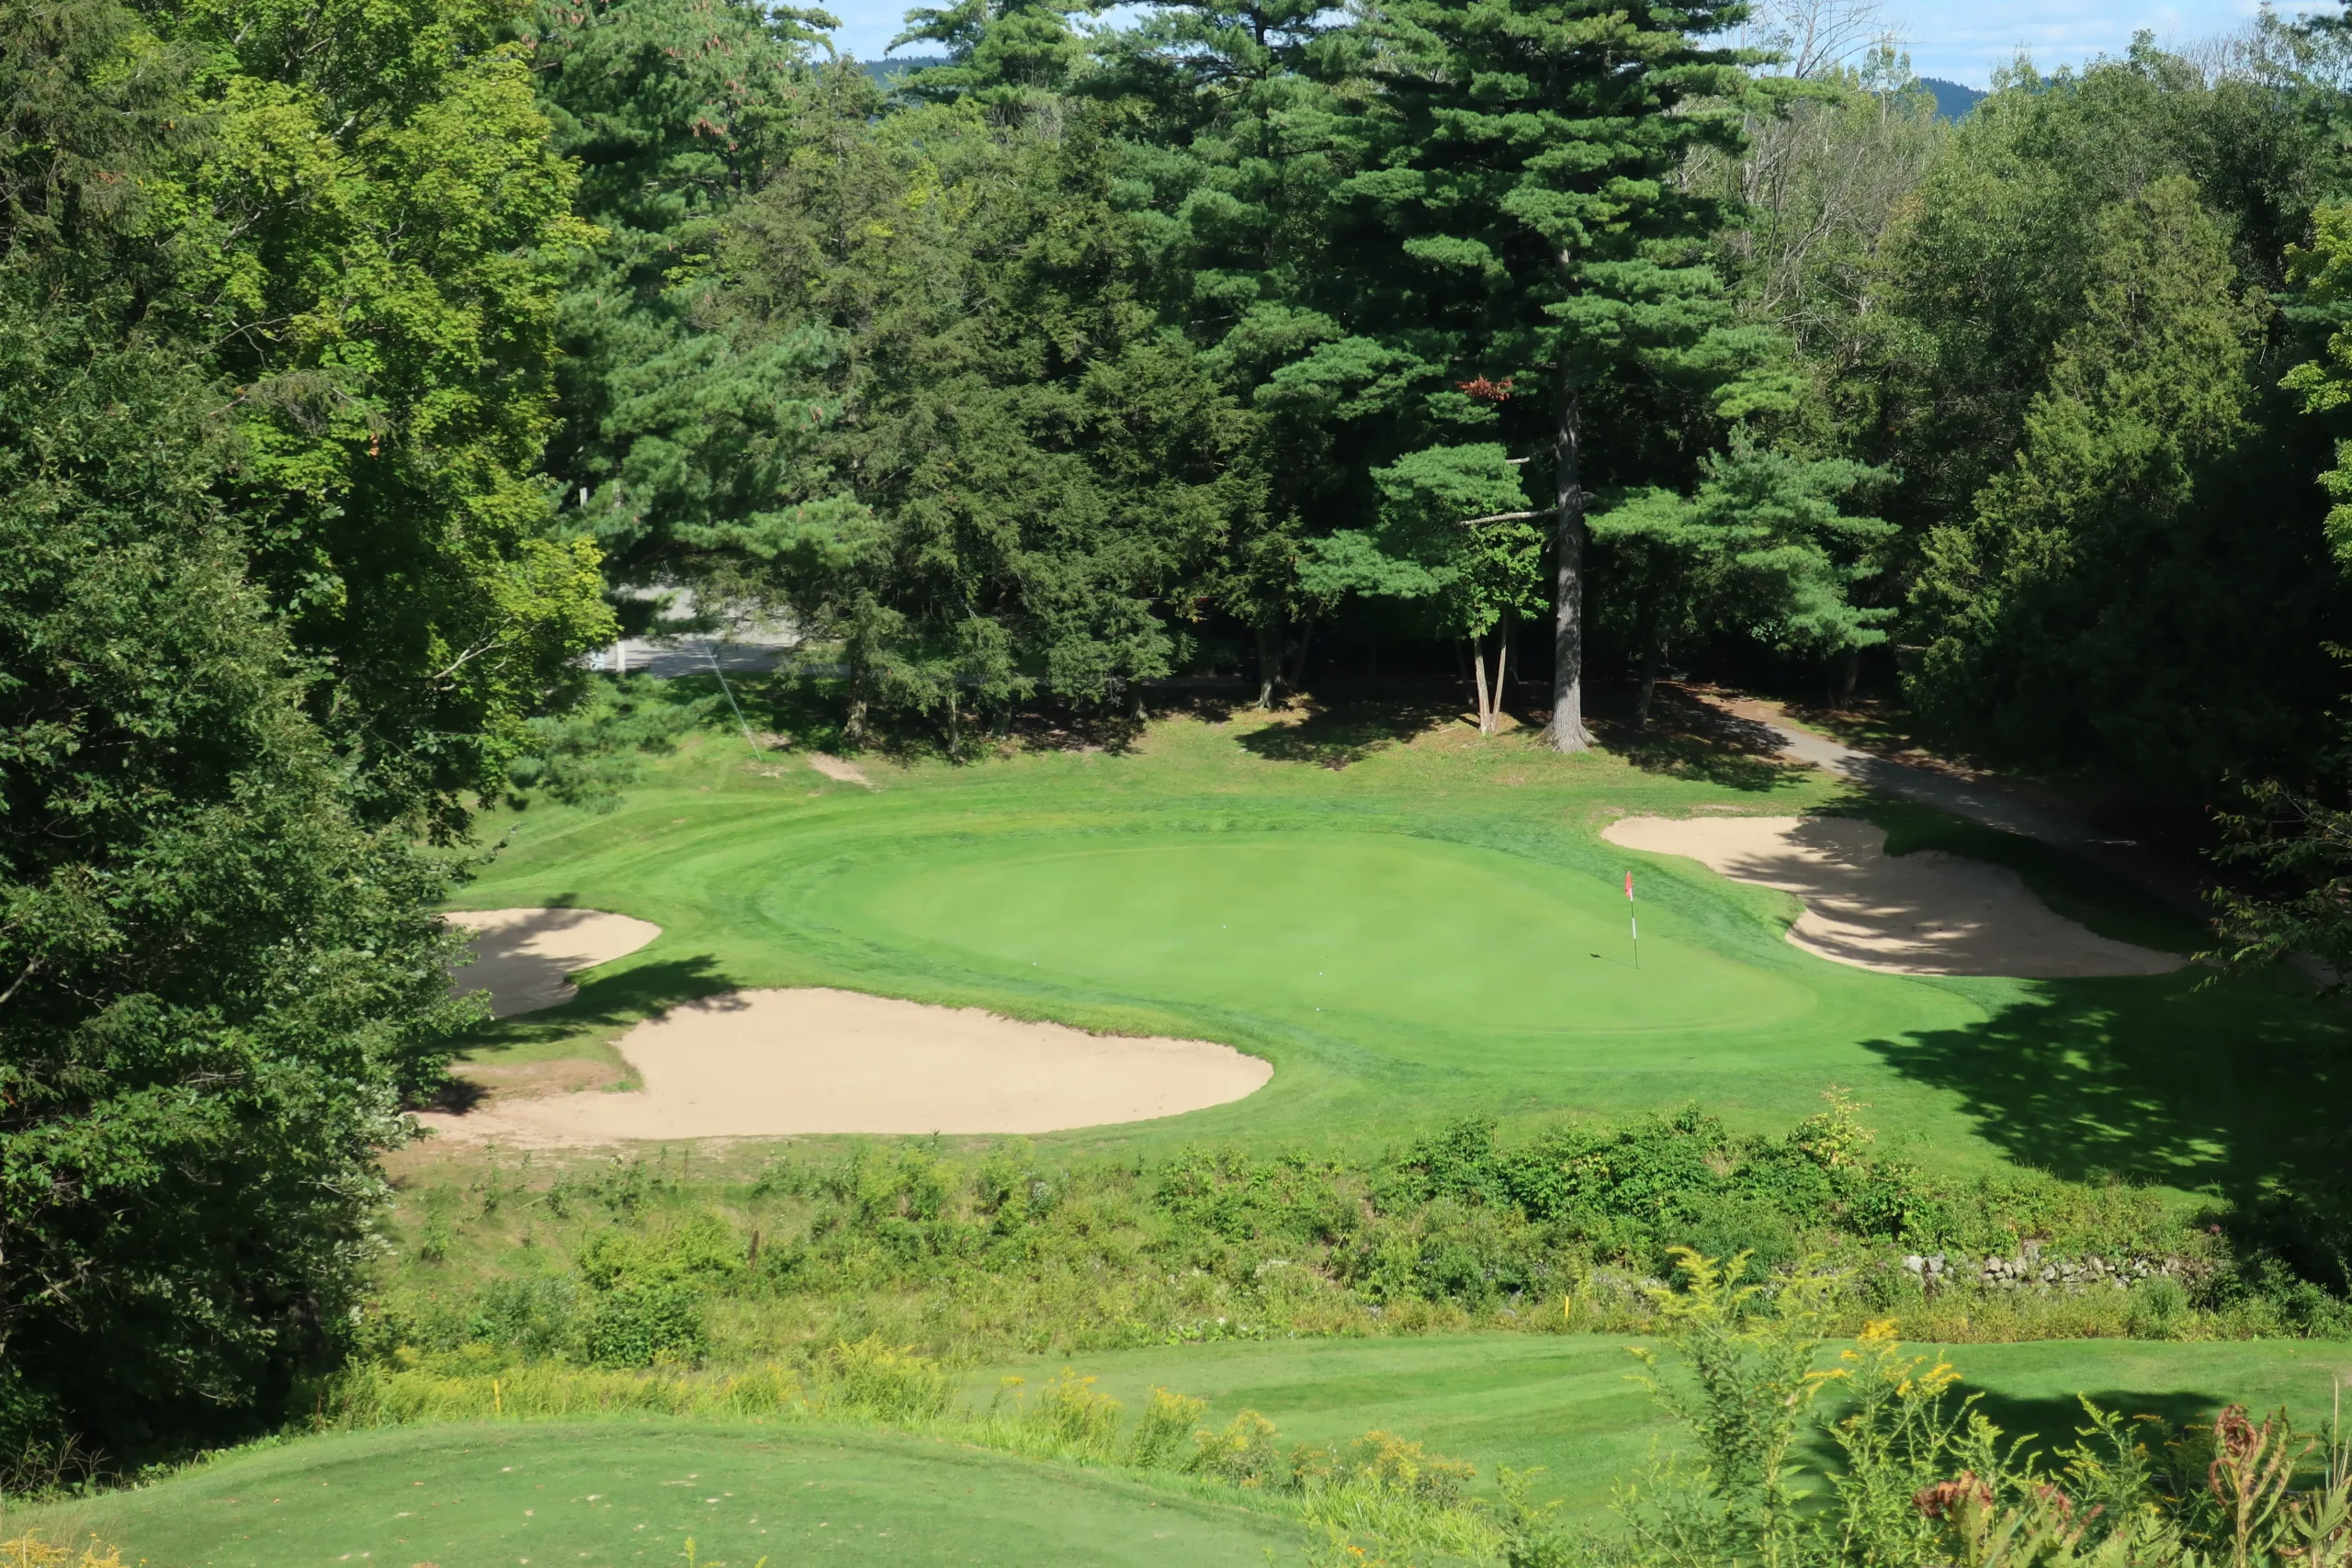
point(633, 1492)
point(1569, 1403)
point(1434, 929)
point(635, 1489)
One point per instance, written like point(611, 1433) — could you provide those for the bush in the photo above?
point(638, 1323)
point(1162, 1427)
point(887, 1382)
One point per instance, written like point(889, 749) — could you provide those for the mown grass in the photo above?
point(1568, 1404)
point(878, 1456)
point(1442, 899)
point(634, 1493)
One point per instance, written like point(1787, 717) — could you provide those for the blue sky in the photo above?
point(1960, 41)
point(1965, 42)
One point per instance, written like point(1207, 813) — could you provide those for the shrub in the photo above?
point(1075, 1416)
point(1162, 1427)
point(641, 1322)
point(1242, 1455)
point(887, 1382)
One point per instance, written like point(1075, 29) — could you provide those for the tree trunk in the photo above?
point(1478, 667)
point(1297, 679)
point(1848, 676)
point(1650, 653)
point(1568, 732)
point(1502, 661)
point(1270, 661)
point(854, 730)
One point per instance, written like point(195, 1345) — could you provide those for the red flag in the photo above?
point(1629, 887)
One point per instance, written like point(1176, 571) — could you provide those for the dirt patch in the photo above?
point(840, 769)
point(1921, 914)
point(526, 957)
point(766, 1064)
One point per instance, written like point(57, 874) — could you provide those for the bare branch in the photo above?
point(1508, 517)
point(19, 980)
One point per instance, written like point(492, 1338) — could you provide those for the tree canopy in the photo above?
point(366, 366)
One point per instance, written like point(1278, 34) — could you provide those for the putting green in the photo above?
point(588, 1496)
point(1356, 929)
point(1409, 940)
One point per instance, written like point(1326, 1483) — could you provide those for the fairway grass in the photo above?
point(1434, 930)
point(633, 1490)
point(589, 1495)
point(1572, 1403)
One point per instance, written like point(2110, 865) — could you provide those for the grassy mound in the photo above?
point(627, 1493)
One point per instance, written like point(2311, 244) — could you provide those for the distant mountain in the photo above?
point(883, 70)
point(1953, 101)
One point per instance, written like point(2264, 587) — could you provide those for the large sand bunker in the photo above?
point(1928, 913)
point(764, 1064)
point(527, 956)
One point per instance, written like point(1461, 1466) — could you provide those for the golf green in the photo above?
point(1435, 931)
point(1368, 931)
point(592, 1494)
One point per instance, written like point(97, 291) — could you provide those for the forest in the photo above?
point(367, 365)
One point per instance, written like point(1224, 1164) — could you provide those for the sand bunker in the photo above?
point(764, 1064)
point(527, 956)
point(1928, 913)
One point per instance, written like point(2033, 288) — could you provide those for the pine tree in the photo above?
point(1522, 159)
point(1763, 545)
point(1236, 114)
point(674, 420)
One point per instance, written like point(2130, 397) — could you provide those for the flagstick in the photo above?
point(1633, 922)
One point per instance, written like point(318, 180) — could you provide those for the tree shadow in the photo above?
point(2240, 1088)
point(603, 1004)
point(1342, 734)
point(1691, 739)
point(2055, 1421)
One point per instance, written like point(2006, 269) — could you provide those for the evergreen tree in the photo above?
point(1027, 468)
point(1762, 546)
point(1234, 119)
point(1521, 162)
point(1013, 58)
point(671, 422)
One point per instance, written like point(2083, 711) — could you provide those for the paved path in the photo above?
point(2170, 877)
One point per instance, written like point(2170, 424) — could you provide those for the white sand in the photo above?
point(1928, 913)
point(527, 956)
point(755, 1063)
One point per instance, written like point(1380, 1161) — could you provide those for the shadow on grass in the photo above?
point(2241, 1089)
point(1345, 733)
point(1689, 740)
point(2055, 1421)
point(604, 1006)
